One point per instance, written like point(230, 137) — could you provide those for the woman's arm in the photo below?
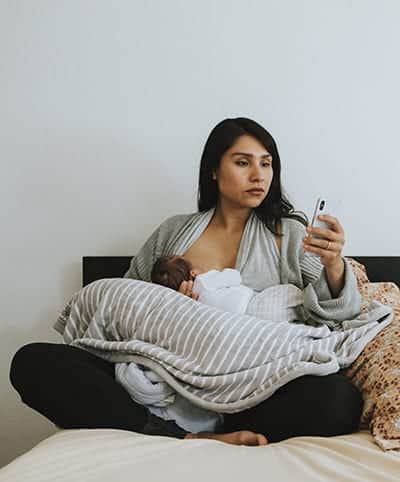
point(142, 264)
point(335, 275)
point(333, 294)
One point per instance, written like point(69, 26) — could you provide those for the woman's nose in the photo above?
point(257, 173)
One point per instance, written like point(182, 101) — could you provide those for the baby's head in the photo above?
point(170, 271)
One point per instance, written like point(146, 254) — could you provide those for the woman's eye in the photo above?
point(265, 164)
point(244, 161)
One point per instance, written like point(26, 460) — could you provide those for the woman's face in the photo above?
point(246, 165)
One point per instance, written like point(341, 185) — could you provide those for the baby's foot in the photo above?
point(243, 437)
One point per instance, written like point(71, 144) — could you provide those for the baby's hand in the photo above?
point(186, 288)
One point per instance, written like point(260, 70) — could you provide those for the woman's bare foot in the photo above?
point(243, 437)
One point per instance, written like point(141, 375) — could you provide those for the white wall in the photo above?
point(105, 108)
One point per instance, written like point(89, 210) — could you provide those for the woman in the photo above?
point(255, 232)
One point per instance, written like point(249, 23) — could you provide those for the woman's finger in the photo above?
point(312, 242)
point(322, 250)
point(325, 233)
point(333, 222)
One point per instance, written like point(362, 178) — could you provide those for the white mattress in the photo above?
point(115, 455)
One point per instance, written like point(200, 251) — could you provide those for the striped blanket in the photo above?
point(220, 361)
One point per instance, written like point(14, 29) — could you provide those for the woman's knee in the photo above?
point(25, 362)
point(344, 404)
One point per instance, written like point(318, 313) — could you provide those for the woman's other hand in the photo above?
point(186, 288)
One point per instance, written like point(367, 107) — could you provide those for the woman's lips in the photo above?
point(256, 193)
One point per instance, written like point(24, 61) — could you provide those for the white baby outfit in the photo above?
point(224, 290)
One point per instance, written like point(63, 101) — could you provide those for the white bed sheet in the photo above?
point(115, 455)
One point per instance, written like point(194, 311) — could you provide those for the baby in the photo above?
point(224, 290)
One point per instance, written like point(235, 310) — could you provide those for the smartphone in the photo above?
point(321, 207)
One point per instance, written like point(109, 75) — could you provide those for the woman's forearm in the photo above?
point(335, 275)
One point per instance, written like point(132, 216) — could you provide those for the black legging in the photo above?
point(76, 389)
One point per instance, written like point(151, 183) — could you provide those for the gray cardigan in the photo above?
point(258, 257)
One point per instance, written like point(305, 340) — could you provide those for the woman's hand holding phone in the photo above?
point(326, 236)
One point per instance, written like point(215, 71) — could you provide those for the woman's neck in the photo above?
point(230, 220)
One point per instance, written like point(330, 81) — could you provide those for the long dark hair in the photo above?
point(275, 206)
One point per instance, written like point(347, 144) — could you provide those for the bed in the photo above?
point(105, 454)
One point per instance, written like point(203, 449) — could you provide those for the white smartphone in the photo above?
point(321, 207)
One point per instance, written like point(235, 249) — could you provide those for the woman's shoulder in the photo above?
point(179, 218)
point(176, 221)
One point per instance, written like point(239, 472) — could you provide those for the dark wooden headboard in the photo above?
point(379, 268)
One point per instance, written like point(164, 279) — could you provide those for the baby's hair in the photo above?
point(170, 271)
